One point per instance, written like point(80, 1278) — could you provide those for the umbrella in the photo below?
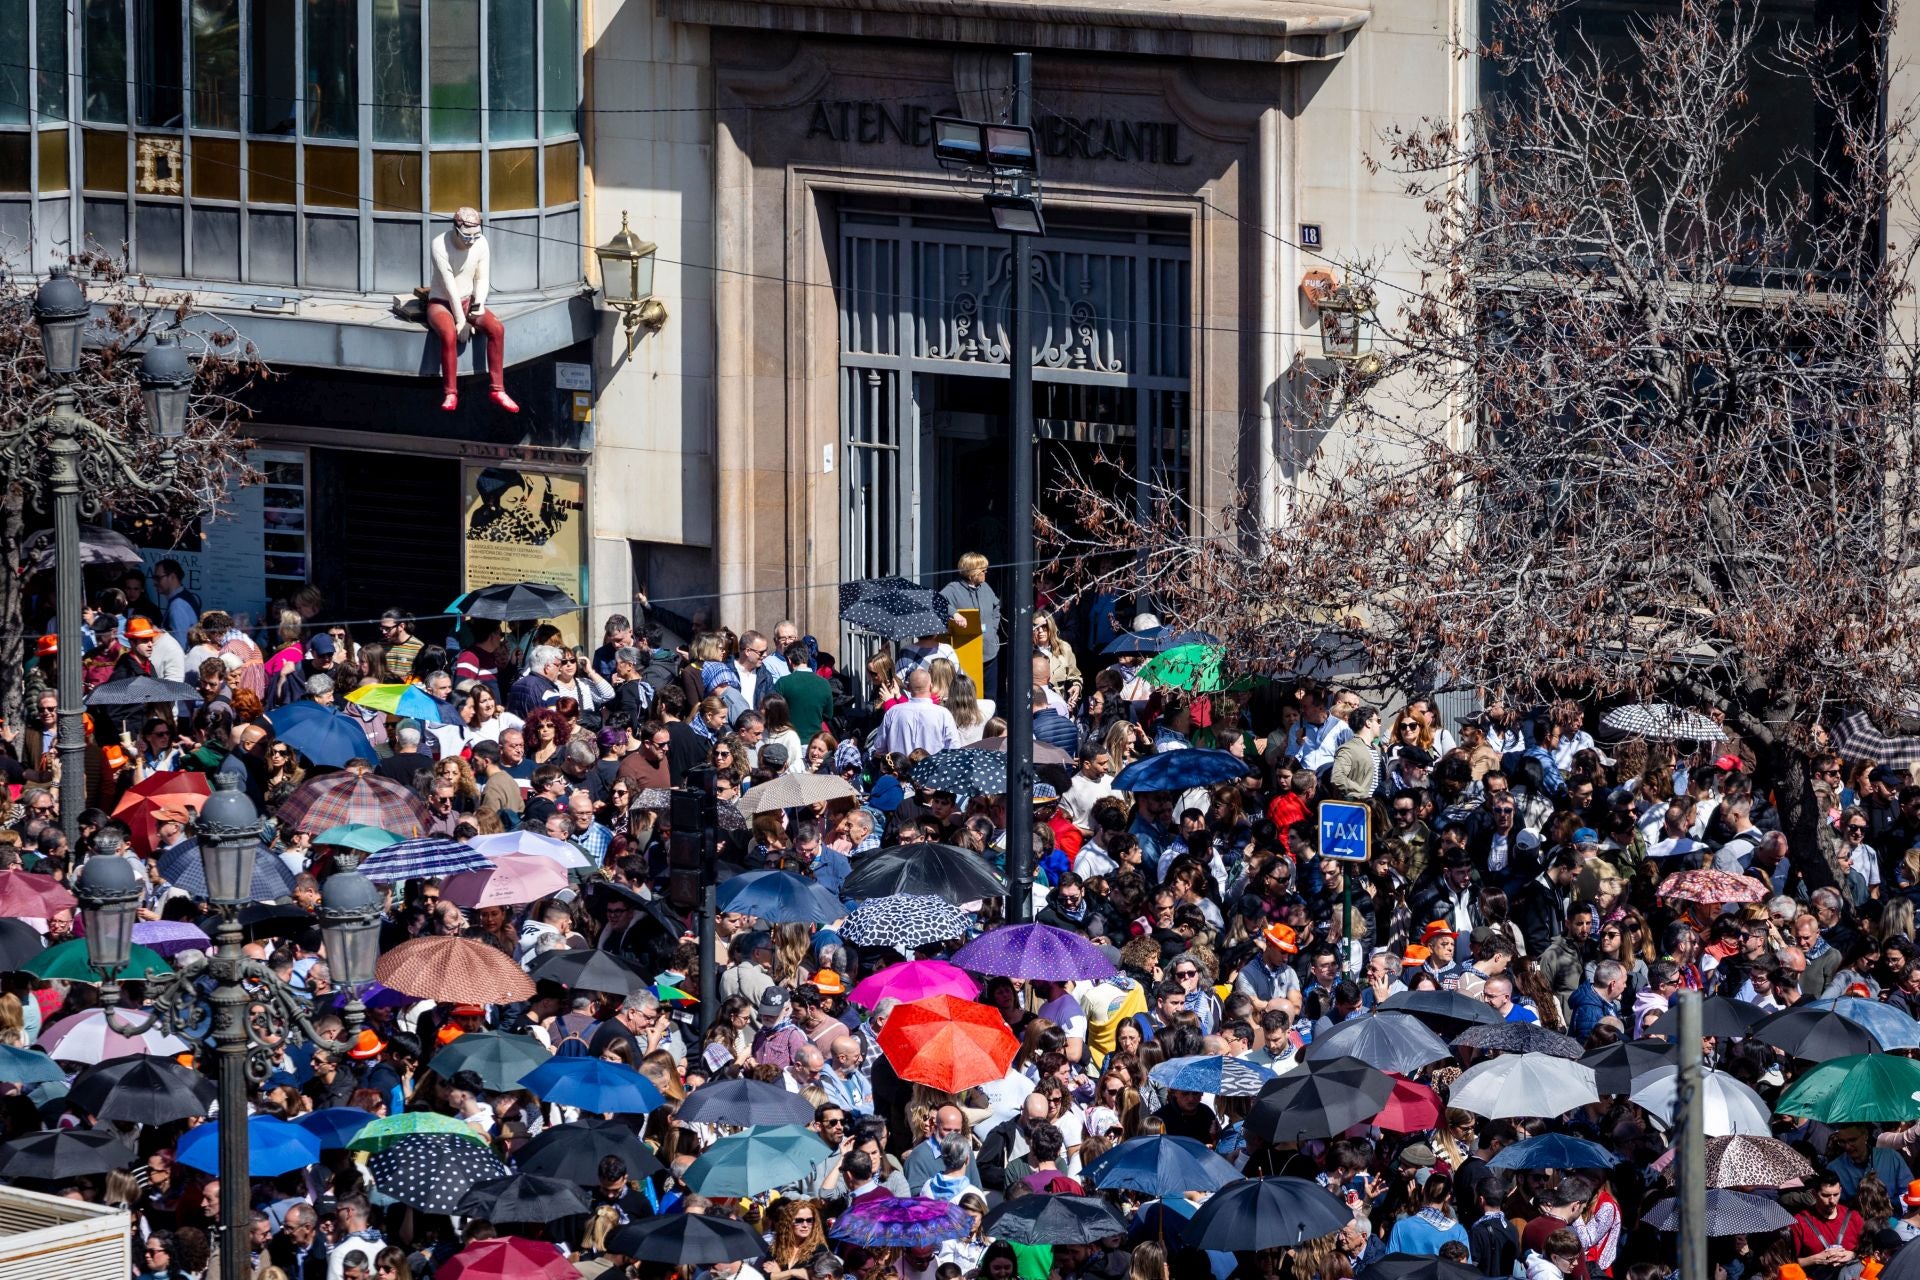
point(964, 773)
point(573, 1152)
point(432, 1172)
point(273, 920)
point(20, 942)
point(1034, 951)
point(335, 1128)
point(322, 735)
point(585, 970)
point(512, 881)
point(896, 615)
point(1447, 1012)
point(1619, 1064)
point(901, 1222)
point(100, 548)
point(28, 1066)
point(167, 788)
point(182, 867)
point(1854, 737)
point(508, 1258)
point(35, 897)
point(1729, 1213)
point(757, 1161)
point(1393, 1042)
point(867, 588)
point(1266, 1213)
point(454, 970)
point(1554, 1151)
point(274, 1147)
point(744, 1102)
point(780, 897)
point(1193, 667)
point(56, 1155)
point(68, 960)
point(170, 937)
point(515, 602)
point(138, 691)
point(948, 1043)
point(374, 995)
point(1053, 1219)
point(687, 1240)
point(86, 1037)
point(141, 1089)
point(594, 1085)
point(1212, 1073)
point(408, 700)
point(1523, 1084)
point(904, 922)
point(522, 1197)
point(1414, 1266)
point(423, 858)
point(796, 791)
point(1661, 722)
point(1727, 1105)
point(1043, 752)
point(1319, 1100)
point(1179, 770)
point(1160, 1165)
point(1411, 1108)
point(1156, 640)
point(913, 980)
point(1708, 885)
point(1892, 1028)
point(937, 870)
point(1518, 1037)
point(1872, 1088)
point(499, 1058)
point(1750, 1160)
point(358, 836)
point(391, 1130)
point(335, 799)
point(1814, 1035)
point(1721, 1016)
point(532, 843)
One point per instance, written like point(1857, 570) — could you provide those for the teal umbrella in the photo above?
point(757, 1161)
point(499, 1059)
point(357, 835)
point(28, 1066)
point(69, 960)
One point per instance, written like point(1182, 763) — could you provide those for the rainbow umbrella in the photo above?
point(408, 700)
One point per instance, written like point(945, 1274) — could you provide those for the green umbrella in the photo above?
point(759, 1160)
point(390, 1131)
point(499, 1059)
point(69, 961)
point(1877, 1088)
point(357, 835)
point(1193, 667)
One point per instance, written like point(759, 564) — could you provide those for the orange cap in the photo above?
point(1434, 929)
point(47, 646)
point(367, 1046)
point(1281, 938)
point(1414, 956)
point(1912, 1198)
point(829, 983)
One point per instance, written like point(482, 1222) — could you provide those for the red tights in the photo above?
point(440, 320)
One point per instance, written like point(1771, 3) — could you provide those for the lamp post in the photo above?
point(230, 1004)
point(82, 460)
point(626, 281)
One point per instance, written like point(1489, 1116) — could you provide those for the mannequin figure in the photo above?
point(457, 304)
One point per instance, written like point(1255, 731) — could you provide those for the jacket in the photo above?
point(1540, 909)
point(281, 1250)
point(1585, 1008)
point(1564, 965)
point(1355, 770)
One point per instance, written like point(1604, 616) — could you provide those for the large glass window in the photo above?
point(13, 77)
point(270, 61)
point(216, 63)
point(50, 39)
point(157, 36)
point(105, 61)
point(562, 88)
point(512, 44)
point(396, 70)
point(333, 105)
point(454, 73)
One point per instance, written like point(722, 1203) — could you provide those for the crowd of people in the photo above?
point(1219, 991)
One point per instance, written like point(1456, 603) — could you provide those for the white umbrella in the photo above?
point(86, 1037)
point(1662, 721)
point(795, 791)
point(529, 842)
point(1727, 1106)
point(1523, 1084)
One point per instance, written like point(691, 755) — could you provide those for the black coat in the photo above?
point(281, 1250)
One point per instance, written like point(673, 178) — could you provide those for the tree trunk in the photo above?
point(13, 640)
point(1785, 773)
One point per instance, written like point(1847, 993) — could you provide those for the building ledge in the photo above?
point(1237, 30)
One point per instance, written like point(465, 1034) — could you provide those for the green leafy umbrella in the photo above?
point(1876, 1088)
point(1193, 667)
point(357, 835)
point(69, 961)
point(390, 1131)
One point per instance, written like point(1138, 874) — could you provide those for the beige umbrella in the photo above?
point(1043, 752)
point(795, 791)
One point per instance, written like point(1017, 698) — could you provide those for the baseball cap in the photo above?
point(173, 813)
point(1043, 791)
point(1415, 956)
point(367, 1046)
point(773, 757)
point(1281, 937)
point(1888, 776)
point(321, 645)
point(1729, 763)
point(1586, 835)
point(46, 646)
point(773, 1002)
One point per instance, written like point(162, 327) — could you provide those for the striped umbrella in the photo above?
point(422, 858)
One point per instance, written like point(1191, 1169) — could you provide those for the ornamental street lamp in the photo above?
point(230, 1004)
point(626, 281)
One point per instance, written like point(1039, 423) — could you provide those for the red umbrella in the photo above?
point(508, 1258)
point(24, 895)
point(168, 787)
point(948, 1043)
point(1411, 1108)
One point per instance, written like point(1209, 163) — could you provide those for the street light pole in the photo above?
point(1020, 543)
point(63, 480)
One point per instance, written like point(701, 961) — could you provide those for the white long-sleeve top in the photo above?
point(459, 272)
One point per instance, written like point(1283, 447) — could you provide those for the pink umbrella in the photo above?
point(33, 897)
point(914, 980)
point(514, 878)
point(86, 1037)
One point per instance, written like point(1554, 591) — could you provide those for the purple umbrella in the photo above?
point(171, 937)
point(1034, 951)
point(901, 1222)
point(376, 996)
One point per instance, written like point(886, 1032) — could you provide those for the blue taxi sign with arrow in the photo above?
point(1346, 830)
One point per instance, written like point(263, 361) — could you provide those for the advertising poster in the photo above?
point(524, 525)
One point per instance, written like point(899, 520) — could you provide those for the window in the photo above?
point(270, 109)
point(333, 100)
point(216, 64)
point(512, 45)
point(157, 36)
point(562, 89)
point(454, 72)
point(396, 70)
point(13, 78)
point(50, 44)
point(105, 61)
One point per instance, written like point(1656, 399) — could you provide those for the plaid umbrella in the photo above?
point(454, 970)
point(138, 691)
point(1660, 721)
point(167, 788)
point(901, 1222)
point(1855, 737)
point(940, 870)
point(515, 602)
point(1518, 1037)
point(1709, 885)
point(182, 867)
point(423, 858)
point(1395, 1042)
point(1729, 1213)
point(335, 799)
point(963, 772)
point(904, 922)
point(433, 1172)
point(1034, 951)
point(897, 615)
point(795, 791)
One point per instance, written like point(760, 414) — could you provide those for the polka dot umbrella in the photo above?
point(433, 1172)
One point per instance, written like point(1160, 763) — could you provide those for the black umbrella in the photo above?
point(742, 1103)
point(1616, 1066)
point(274, 920)
point(1720, 1016)
point(138, 691)
point(963, 772)
point(56, 1155)
point(1053, 1219)
point(897, 615)
point(573, 1152)
point(1265, 1213)
point(1395, 1042)
point(142, 1088)
point(19, 943)
point(515, 602)
point(936, 870)
point(687, 1240)
point(586, 970)
point(1318, 1100)
point(1447, 1012)
point(100, 548)
point(1814, 1035)
point(1416, 1266)
point(522, 1197)
point(433, 1172)
point(1517, 1037)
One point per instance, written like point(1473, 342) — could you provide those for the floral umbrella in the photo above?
point(1708, 885)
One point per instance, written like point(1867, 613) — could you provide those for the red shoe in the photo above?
point(450, 402)
point(500, 397)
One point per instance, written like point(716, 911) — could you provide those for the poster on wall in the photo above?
point(524, 525)
point(254, 552)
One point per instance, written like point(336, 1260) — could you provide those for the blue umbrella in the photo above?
point(593, 1085)
point(1212, 1073)
point(335, 1127)
point(1163, 1220)
point(780, 897)
point(182, 868)
point(1554, 1151)
point(324, 737)
point(759, 1160)
point(274, 1147)
point(1156, 640)
point(1178, 770)
point(1160, 1165)
point(1892, 1028)
point(28, 1066)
